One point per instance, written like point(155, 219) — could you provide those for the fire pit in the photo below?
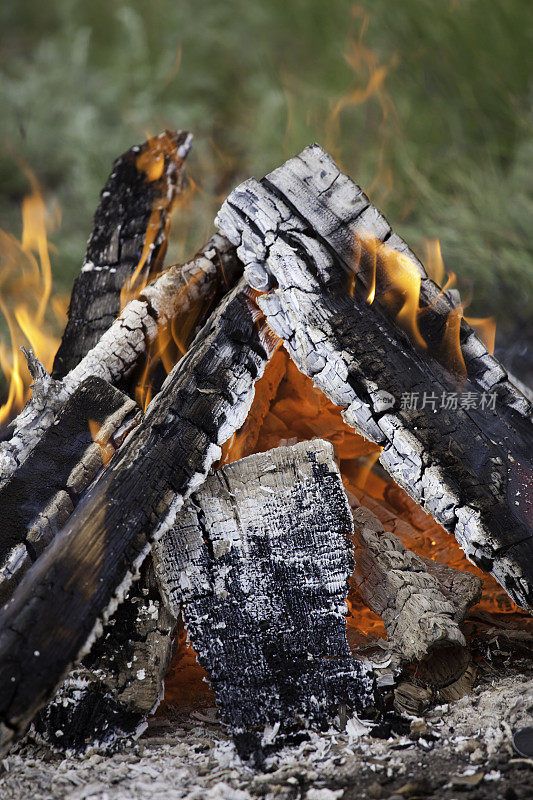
point(285, 486)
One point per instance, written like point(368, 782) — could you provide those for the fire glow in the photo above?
point(395, 278)
point(33, 316)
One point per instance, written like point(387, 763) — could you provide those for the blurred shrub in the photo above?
point(442, 140)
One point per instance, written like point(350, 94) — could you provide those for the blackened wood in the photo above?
point(87, 568)
point(129, 237)
point(181, 292)
point(471, 467)
point(259, 561)
point(39, 497)
point(338, 209)
point(107, 698)
point(420, 613)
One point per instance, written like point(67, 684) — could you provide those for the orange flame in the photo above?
point(399, 274)
point(32, 316)
point(106, 448)
point(396, 280)
point(485, 328)
point(434, 263)
point(151, 161)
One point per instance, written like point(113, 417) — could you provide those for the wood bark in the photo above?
point(88, 567)
point(469, 467)
point(421, 605)
point(258, 561)
point(38, 499)
point(129, 236)
point(188, 290)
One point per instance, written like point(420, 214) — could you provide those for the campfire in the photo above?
point(289, 466)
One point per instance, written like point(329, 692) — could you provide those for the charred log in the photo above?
point(469, 467)
point(88, 567)
point(129, 239)
point(40, 496)
point(107, 698)
point(187, 291)
point(420, 605)
point(259, 561)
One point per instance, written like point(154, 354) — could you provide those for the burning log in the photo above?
point(187, 291)
point(40, 496)
point(469, 467)
point(128, 242)
point(420, 601)
point(259, 561)
point(419, 532)
point(90, 564)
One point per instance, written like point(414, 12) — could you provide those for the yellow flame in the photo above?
point(451, 354)
point(151, 161)
point(401, 277)
point(32, 316)
point(106, 448)
point(434, 263)
point(485, 328)
point(398, 278)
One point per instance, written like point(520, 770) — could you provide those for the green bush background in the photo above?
point(445, 149)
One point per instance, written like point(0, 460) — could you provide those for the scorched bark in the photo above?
point(258, 561)
point(39, 497)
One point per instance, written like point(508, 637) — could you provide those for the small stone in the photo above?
point(375, 791)
point(414, 788)
point(464, 782)
point(418, 727)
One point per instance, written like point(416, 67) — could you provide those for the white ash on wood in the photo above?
point(339, 211)
point(258, 561)
point(420, 612)
point(468, 467)
point(90, 564)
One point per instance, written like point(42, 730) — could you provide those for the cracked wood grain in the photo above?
point(470, 468)
point(258, 561)
point(129, 237)
point(180, 292)
point(57, 610)
point(421, 606)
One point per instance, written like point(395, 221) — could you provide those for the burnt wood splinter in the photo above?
point(106, 699)
point(421, 607)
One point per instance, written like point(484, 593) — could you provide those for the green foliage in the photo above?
point(444, 147)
